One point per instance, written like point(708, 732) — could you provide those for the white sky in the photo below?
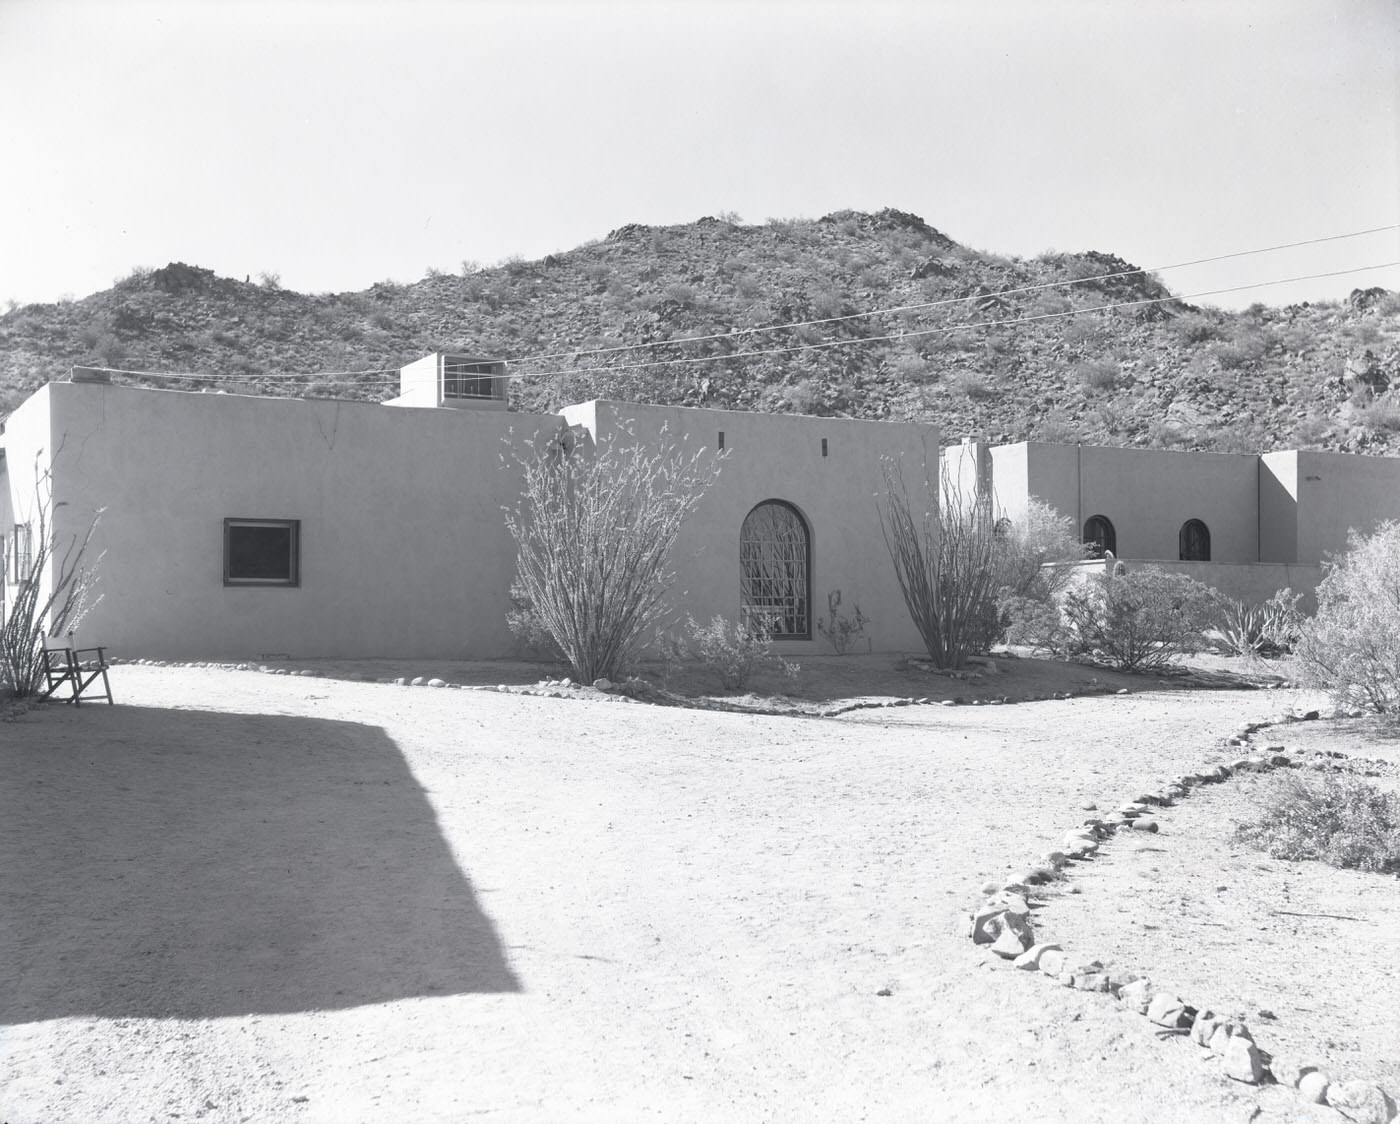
point(342, 143)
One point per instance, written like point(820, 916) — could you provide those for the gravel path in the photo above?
point(246, 897)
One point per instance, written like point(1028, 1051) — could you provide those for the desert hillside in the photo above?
point(1008, 348)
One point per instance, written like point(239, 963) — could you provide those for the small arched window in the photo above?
point(1194, 542)
point(775, 570)
point(1099, 536)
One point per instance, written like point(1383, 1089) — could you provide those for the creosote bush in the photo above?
point(1351, 647)
point(593, 530)
point(1138, 620)
point(734, 651)
point(1339, 820)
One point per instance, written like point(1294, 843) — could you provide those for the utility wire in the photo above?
point(819, 346)
point(827, 344)
point(733, 333)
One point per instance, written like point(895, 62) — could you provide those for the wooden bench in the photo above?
point(79, 668)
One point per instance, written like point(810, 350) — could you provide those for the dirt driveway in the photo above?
point(244, 897)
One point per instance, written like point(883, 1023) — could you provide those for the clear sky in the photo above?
point(341, 143)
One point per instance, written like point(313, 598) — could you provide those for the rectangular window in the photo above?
point(470, 380)
point(823, 446)
point(262, 552)
point(21, 553)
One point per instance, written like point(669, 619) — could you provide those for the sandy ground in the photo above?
point(245, 897)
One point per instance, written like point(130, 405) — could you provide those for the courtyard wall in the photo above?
point(402, 546)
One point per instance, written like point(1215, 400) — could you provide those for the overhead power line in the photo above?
point(818, 346)
point(917, 333)
point(736, 332)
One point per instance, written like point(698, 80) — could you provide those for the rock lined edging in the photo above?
point(561, 688)
point(1003, 923)
point(959, 700)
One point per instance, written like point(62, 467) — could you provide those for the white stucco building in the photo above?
point(237, 526)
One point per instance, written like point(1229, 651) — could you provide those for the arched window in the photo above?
point(1100, 536)
point(775, 570)
point(1194, 541)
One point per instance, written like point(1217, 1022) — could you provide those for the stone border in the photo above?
point(1002, 923)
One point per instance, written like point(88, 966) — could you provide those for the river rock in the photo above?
point(1361, 1102)
point(1242, 1061)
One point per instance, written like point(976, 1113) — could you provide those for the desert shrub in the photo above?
point(593, 529)
point(1036, 624)
point(54, 589)
point(1050, 304)
point(942, 545)
point(910, 368)
point(841, 630)
point(1247, 346)
point(1196, 327)
point(734, 651)
point(1031, 553)
point(1058, 428)
point(1268, 628)
point(1097, 374)
point(1138, 620)
point(1339, 820)
point(1381, 415)
point(1351, 647)
point(974, 385)
point(1310, 431)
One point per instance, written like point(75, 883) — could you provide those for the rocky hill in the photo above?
point(1008, 348)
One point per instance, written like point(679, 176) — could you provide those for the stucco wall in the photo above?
point(27, 437)
point(1338, 493)
point(780, 457)
point(1253, 582)
point(1052, 477)
point(1278, 507)
point(1010, 475)
point(403, 546)
point(1147, 494)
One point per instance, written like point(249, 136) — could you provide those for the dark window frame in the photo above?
point(784, 599)
point(1193, 541)
point(475, 381)
point(293, 578)
point(1102, 542)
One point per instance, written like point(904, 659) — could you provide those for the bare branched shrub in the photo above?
point(593, 529)
point(54, 590)
point(943, 547)
point(1351, 648)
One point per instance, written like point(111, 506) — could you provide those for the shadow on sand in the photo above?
point(192, 864)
